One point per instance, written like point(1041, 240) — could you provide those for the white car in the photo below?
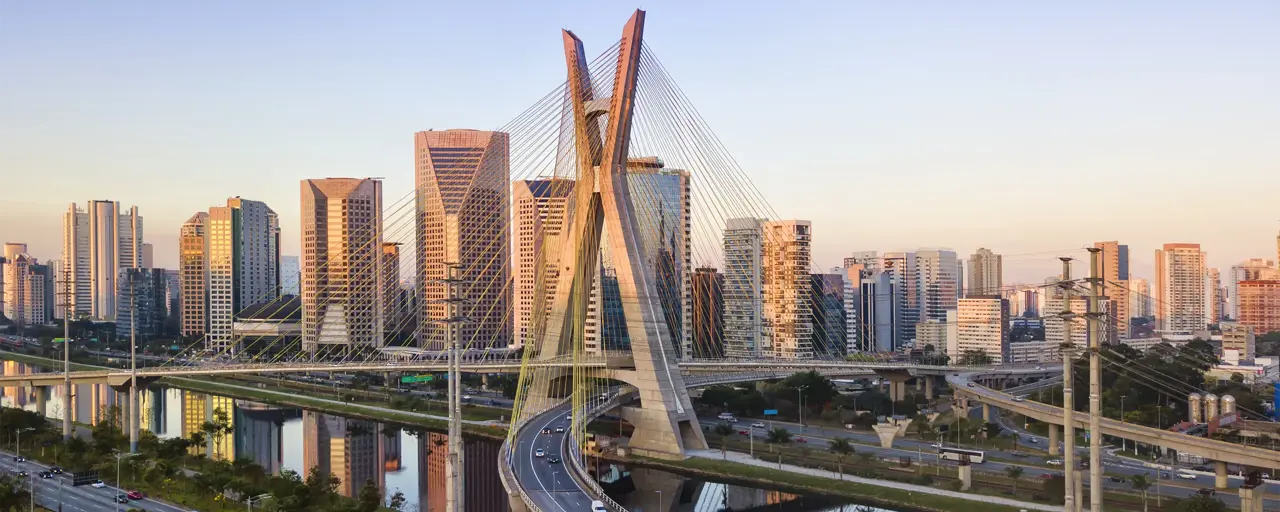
point(598, 506)
point(99, 484)
point(757, 425)
point(539, 453)
point(1054, 462)
point(936, 445)
point(1019, 399)
point(1186, 476)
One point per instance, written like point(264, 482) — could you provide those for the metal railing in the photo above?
point(575, 456)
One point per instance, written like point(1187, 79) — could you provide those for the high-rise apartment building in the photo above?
point(879, 315)
point(1115, 285)
point(142, 302)
point(1213, 296)
point(244, 264)
point(1139, 298)
point(26, 287)
point(788, 317)
point(1260, 305)
point(901, 268)
point(986, 273)
point(1055, 328)
point(743, 287)
point(1180, 300)
point(1255, 269)
point(290, 275)
point(193, 275)
point(462, 179)
point(982, 324)
point(708, 313)
point(97, 243)
point(538, 217)
point(390, 279)
point(826, 302)
point(937, 282)
point(341, 286)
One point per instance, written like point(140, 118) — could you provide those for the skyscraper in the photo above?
point(341, 288)
point(901, 269)
point(349, 449)
point(660, 202)
point(982, 324)
point(879, 313)
point(1260, 305)
point(826, 302)
point(1213, 300)
point(193, 275)
point(1115, 285)
point(1139, 297)
point(1180, 274)
point(244, 263)
point(743, 287)
point(538, 217)
point(96, 243)
point(1254, 269)
point(27, 287)
point(462, 179)
point(141, 302)
point(148, 256)
point(937, 281)
point(390, 279)
point(788, 317)
point(708, 313)
point(290, 275)
point(986, 271)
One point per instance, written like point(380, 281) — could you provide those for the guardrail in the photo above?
point(575, 456)
point(506, 471)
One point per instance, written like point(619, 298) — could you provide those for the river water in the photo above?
point(357, 451)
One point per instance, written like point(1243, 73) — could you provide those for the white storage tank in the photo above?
point(1210, 407)
point(1228, 405)
point(1193, 406)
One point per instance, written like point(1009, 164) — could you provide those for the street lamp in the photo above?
point(800, 405)
point(120, 488)
point(1123, 441)
point(17, 443)
point(261, 497)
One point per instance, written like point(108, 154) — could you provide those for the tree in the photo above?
point(779, 435)
point(397, 501)
point(842, 448)
point(1141, 484)
point(1201, 503)
point(1237, 378)
point(724, 431)
point(1014, 473)
point(974, 357)
point(370, 498)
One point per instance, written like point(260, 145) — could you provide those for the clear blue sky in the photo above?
point(959, 124)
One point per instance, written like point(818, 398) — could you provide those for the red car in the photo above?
point(135, 495)
point(1046, 476)
point(743, 433)
point(801, 440)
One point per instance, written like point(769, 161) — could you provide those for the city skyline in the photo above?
point(1169, 162)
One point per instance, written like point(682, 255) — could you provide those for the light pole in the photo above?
point(17, 443)
point(119, 487)
point(261, 497)
point(800, 405)
point(1123, 441)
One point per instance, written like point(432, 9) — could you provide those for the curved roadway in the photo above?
point(548, 484)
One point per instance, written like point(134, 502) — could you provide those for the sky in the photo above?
point(1030, 128)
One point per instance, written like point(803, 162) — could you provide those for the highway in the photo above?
point(548, 483)
point(74, 499)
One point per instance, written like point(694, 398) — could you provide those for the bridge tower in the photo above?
point(665, 424)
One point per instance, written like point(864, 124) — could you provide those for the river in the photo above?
point(357, 450)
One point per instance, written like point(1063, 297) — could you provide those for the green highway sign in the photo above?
point(409, 379)
point(59, 340)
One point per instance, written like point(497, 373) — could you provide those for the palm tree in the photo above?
point(779, 435)
point(1014, 472)
point(842, 448)
point(1141, 484)
point(724, 431)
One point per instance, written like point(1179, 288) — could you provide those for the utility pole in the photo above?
point(66, 352)
point(453, 464)
point(1095, 375)
point(1068, 401)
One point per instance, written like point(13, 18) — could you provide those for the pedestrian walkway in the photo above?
point(743, 458)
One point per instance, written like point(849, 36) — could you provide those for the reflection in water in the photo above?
point(356, 451)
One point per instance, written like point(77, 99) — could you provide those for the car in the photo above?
point(731, 419)
point(1201, 468)
point(559, 430)
point(1046, 476)
point(98, 484)
point(1165, 474)
point(45, 474)
point(1018, 453)
point(19, 459)
point(1033, 440)
point(598, 506)
point(744, 433)
point(1265, 476)
point(135, 495)
point(55, 470)
point(936, 445)
point(724, 415)
point(466, 398)
point(19, 473)
point(553, 460)
point(546, 431)
point(568, 417)
point(1206, 492)
point(1116, 479)
point(1186, 476)
point(539, 453)
point(801, 440)
point(757, 425)
point(121, 498)
point(1039, 367)
point(971, 384)
point(1019, 399)
point(1054, 462)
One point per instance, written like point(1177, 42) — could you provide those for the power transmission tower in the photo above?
point(1068, 400)
point(1095, 375)
point(66, 352)
point(453, 464)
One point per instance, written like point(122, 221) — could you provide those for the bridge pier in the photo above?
point(986, 413)
point(1219, 475)
point(42, 399)
point(886, 432)
point(1251, 499)
point(966, 476)
point(1053, 440)
point(918, 383)
point(928, 388)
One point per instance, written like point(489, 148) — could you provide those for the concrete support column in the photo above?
point(918, 383)
point(986, 413)
point(966, 477)
point(134, 418)
point(928, 388)
point(1219, 475)
point(1053, 440)
point(42, 399)
point(1079, 488)
point(902, 390)
point(886, 432)
point(1251, 499)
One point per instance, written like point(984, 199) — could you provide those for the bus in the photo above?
point(951, 453)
